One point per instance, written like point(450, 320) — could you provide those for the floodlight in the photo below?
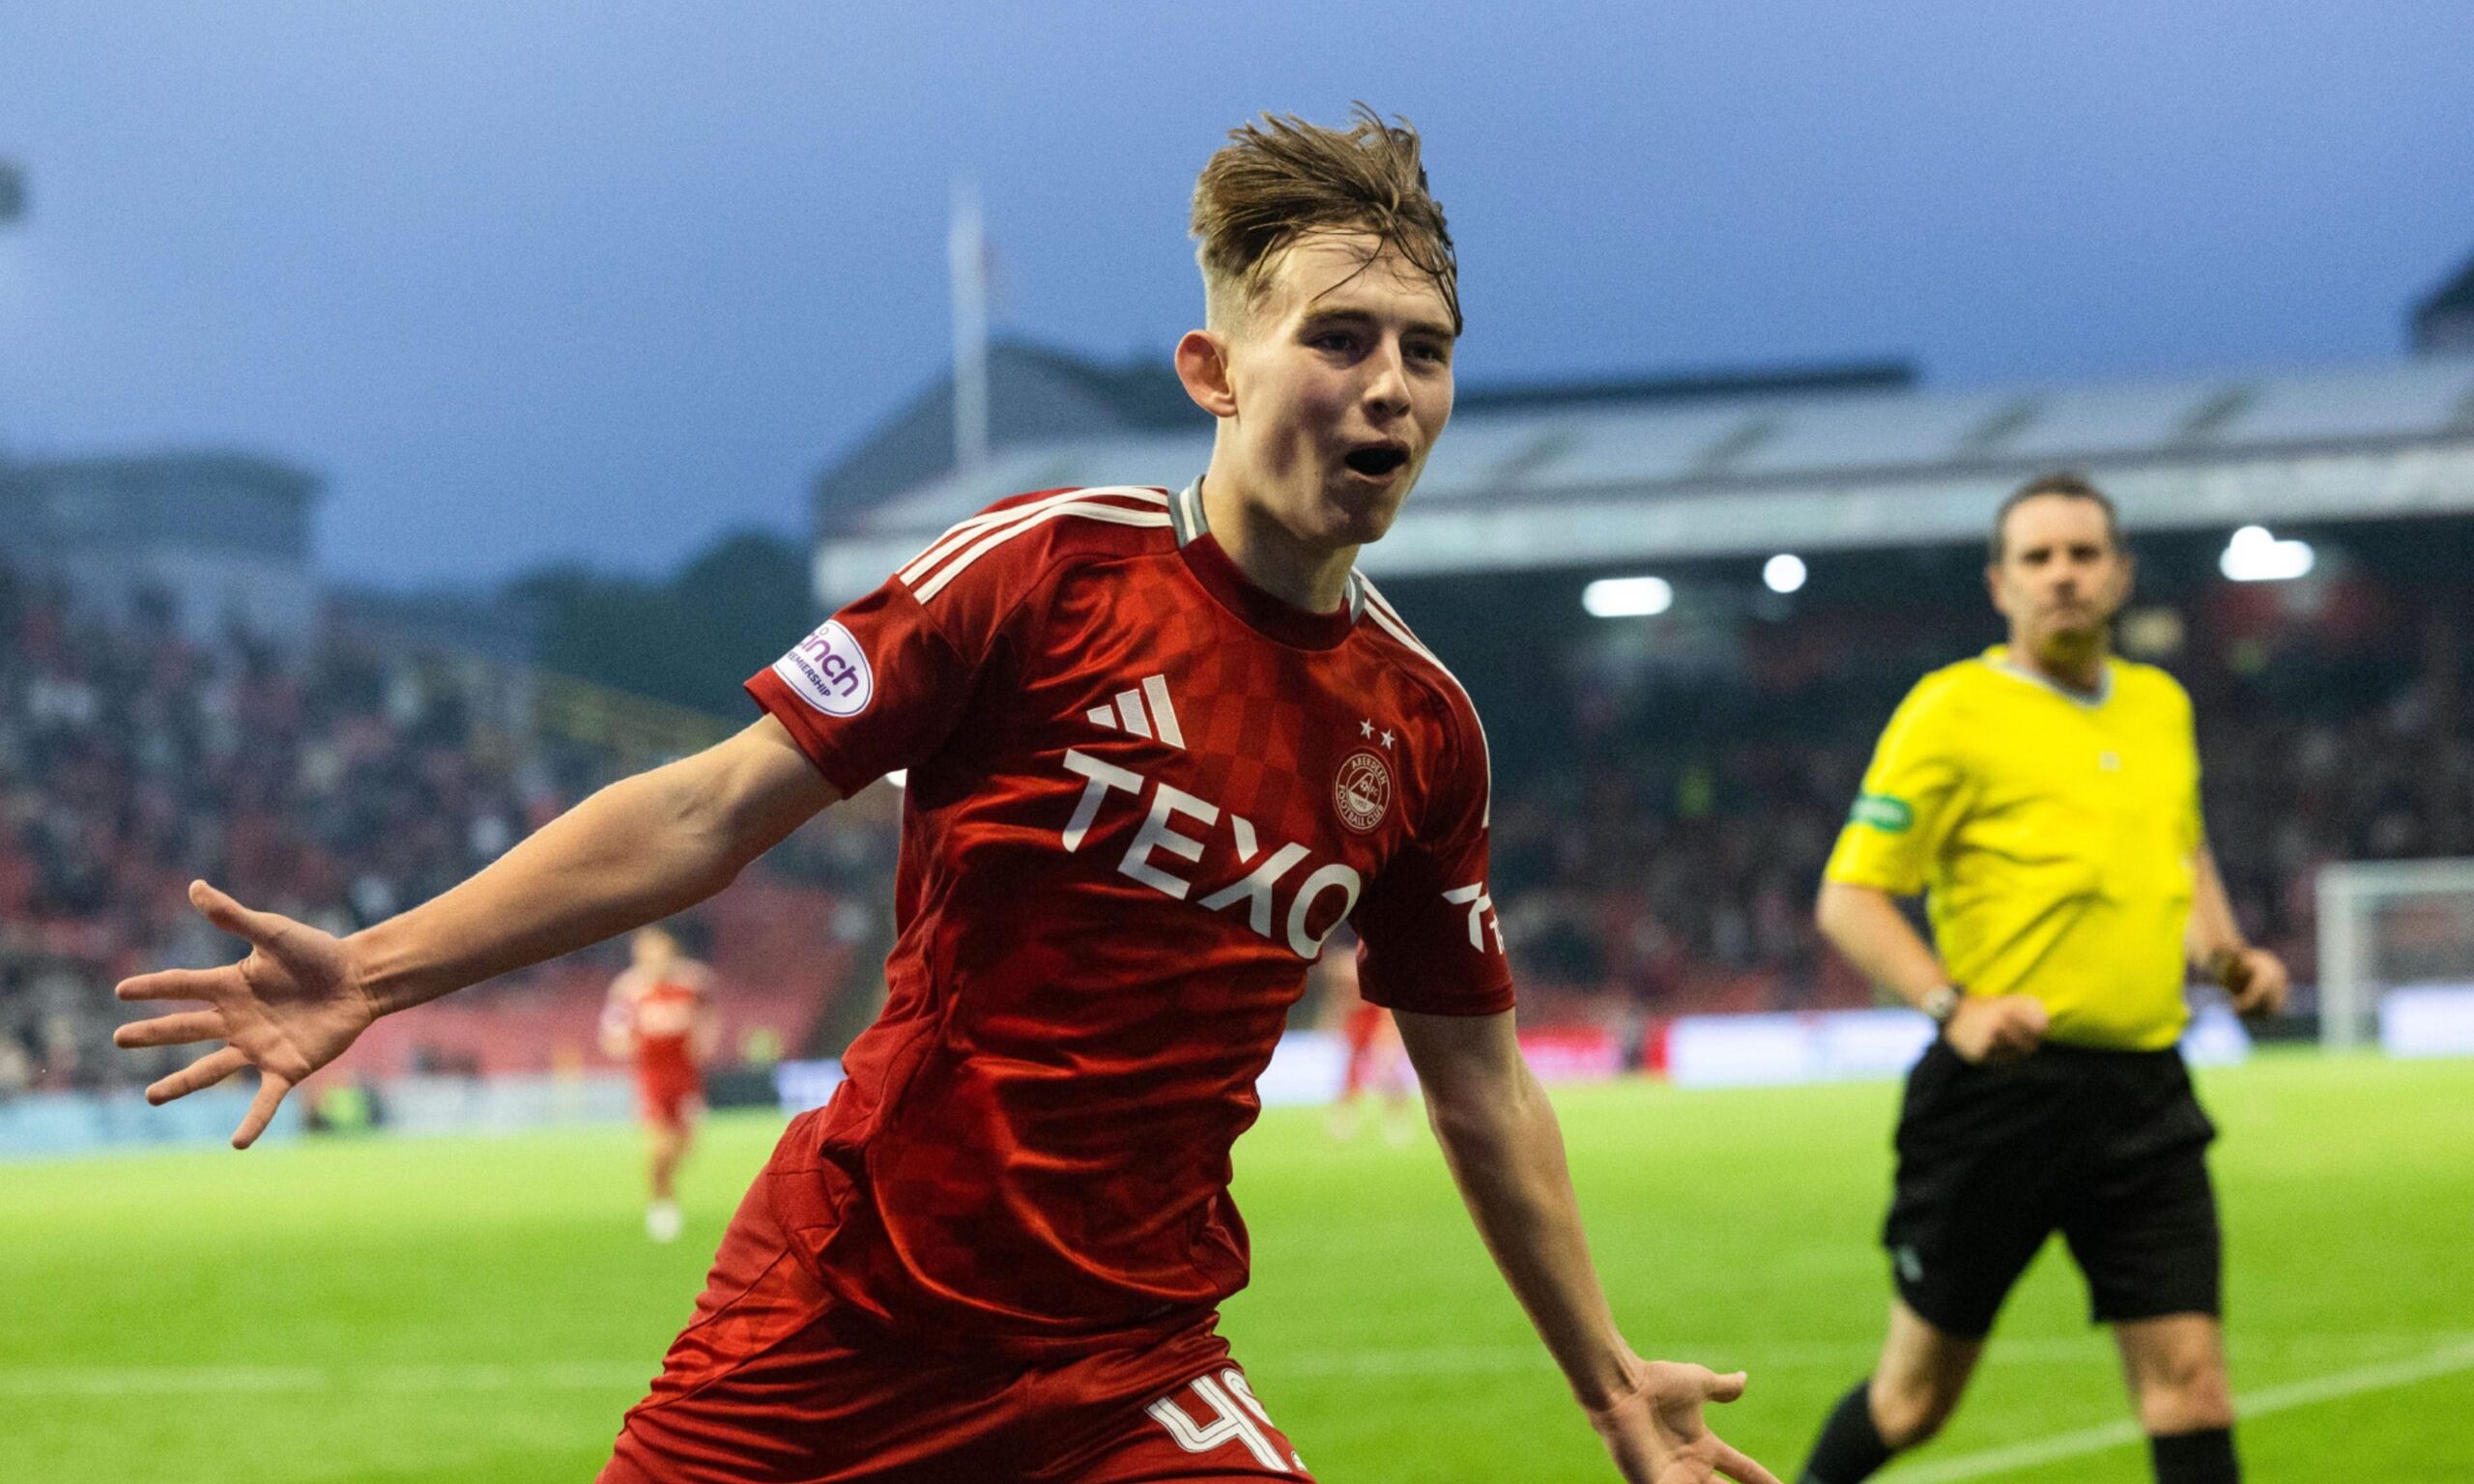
point(1627, 597)
point(2254, 556)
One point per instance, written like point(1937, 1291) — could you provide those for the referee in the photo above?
point(2044, 796)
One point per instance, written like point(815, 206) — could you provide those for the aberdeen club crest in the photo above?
point(1363, 794)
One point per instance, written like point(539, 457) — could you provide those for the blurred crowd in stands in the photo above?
point(1659, 858)
point(1663, 858)
point(337, 786)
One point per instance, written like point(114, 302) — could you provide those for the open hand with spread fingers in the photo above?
point(288, 1009)
point(1656, 1432)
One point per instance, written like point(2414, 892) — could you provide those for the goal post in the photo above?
point(2387, 923)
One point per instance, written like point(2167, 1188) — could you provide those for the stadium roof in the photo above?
point(1038, 394)
point(1550, 481)
point(201, 500)
point(2445, 321)
point(2455, 295)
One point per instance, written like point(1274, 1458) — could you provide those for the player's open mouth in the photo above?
point(1377, 461)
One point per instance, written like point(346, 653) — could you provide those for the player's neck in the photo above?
point(2073, 665)
point(1313, 579)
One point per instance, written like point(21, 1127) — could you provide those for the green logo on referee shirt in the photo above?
point(1889, 815)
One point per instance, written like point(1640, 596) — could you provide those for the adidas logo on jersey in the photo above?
point(1146, 712)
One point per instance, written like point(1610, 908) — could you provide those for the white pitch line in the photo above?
point(2040, 1349)
point(2446, 1361)
point(225, 1379)
point(157, 1380)
point(102, 1381)
point(1454, 1360)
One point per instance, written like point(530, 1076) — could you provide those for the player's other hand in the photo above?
point(288, 1009)
point(2001, 1028)
point(1656, 1434)
point(2256, 981)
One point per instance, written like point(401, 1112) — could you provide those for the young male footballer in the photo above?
point(1160, 744)
point(659, 1018)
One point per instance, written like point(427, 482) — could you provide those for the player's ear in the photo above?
point(1202, 364)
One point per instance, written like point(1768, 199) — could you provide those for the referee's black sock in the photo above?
point(2203, 1457)
point(1850, 1447)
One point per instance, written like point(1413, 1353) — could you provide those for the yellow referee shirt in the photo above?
point(2054, 834)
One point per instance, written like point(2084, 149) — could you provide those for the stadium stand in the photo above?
point(1658, 844)
point(225, 536)
point(1667, 787)
point(337, 782)
point(1664, 808)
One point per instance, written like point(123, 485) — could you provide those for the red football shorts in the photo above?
point(669, 1103)
point(777, 1381)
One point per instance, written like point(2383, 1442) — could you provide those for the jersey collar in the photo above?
point(1259, 610)
point(1998, 658)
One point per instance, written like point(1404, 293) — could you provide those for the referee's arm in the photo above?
point(1865, 925)
point(2255, 978)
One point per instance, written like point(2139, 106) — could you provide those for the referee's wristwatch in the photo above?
point(1941, 1004)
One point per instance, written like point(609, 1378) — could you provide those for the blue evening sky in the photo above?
point(529, 280)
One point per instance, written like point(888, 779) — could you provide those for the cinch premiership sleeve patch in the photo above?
point(1882, 813)
point(875, 688)
point(1429, 941)
point(1909, 800)
point(829, 671)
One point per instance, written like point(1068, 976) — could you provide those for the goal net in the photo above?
point(2398, 934)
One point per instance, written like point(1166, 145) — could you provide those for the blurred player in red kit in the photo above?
point(660, 1016)
point(1374, 1054)
point(1159, 745)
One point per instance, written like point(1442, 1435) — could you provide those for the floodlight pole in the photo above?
point(967, 259)
point(13, 207)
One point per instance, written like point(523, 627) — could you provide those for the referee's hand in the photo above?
point(1996, 1029)
point(2256, 980)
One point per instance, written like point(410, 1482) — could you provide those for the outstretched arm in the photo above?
point(640, 849)
point(1500, 1137)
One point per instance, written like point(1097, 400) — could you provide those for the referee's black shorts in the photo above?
point(2107, 1147)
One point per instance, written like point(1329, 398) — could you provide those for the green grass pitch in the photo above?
point(481, 1310)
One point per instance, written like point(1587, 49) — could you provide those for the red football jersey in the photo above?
point(1141, 792)
point(661, 1019)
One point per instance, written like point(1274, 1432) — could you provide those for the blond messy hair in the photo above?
point(1280, 178)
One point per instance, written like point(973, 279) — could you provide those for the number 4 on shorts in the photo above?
point(1241, 1419)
